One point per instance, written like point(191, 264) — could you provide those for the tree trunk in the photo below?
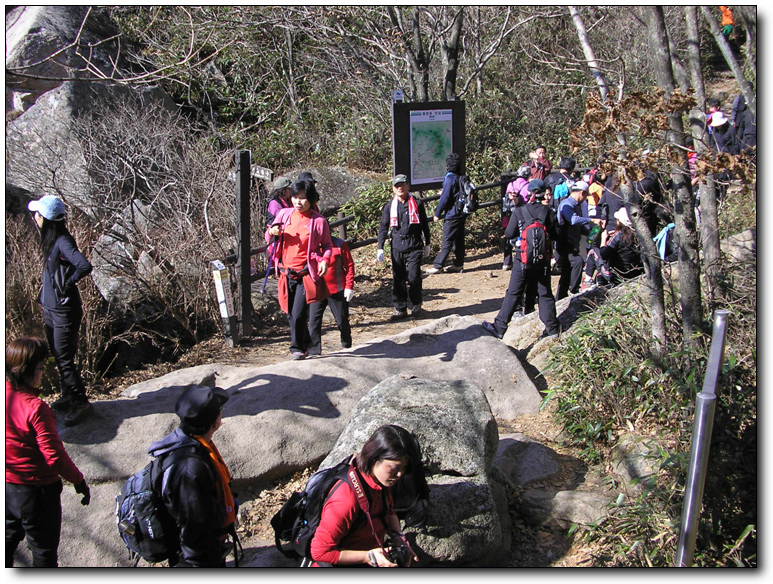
point(590, 56)
point(684, 201)
point(709, 224)
point(735, 67)
point(652, 270)
point(414, 51)
point(451, 53)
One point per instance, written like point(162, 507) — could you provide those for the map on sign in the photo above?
point(431, 142)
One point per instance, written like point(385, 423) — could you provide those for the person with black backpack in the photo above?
point(347, 534)
point(450, 209)
point(535, 229)
point(196, 487)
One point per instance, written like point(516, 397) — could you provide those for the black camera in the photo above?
point(399, 554)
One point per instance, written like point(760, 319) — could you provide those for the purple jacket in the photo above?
point(320, 244)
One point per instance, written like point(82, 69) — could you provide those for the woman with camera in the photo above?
point(346, 535)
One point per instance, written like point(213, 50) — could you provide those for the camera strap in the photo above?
point(359, 492)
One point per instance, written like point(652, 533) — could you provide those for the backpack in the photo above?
point(561, 191)
point(144, 523)
point(535, 244)
point(467, 197)
point(296, 522)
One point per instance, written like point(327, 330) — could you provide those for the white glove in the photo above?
point(348, 295)
point(380, 255)
point(426, 251)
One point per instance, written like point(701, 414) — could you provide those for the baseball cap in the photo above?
point(282, 183)
point(536, 185)
point(200, 405)
point(399, 178)
point(580, 185)
point(49, 206)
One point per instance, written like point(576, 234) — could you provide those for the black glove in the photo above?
point(83, 489)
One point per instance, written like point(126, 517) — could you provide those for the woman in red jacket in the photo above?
point(35, 459)
point(344, 535)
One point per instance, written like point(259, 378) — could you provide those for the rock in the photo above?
point(336, 185)
point(563, 508)
point(468, 522)
point(632, 460)
point(741, 247)
point(520, 461)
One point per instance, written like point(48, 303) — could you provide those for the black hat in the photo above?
point(306, 176)
point(199, 405)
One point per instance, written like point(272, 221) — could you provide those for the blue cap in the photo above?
point(536, 186)
point(50, 207)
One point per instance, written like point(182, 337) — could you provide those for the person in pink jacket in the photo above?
point(301, 258)
point(35, 458)
point(340, 283)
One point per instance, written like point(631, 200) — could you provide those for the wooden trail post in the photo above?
point(243, 180)
point(225, 302)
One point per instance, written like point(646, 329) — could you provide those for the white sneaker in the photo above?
point(433, 270)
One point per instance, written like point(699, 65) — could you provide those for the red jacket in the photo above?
point(343, 526)
point(340, 273)
point(34, 453)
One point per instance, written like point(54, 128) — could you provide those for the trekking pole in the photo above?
point(268, 268)
point(705, 404)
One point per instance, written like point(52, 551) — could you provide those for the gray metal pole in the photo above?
point(705, 406)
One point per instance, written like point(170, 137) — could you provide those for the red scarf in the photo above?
point(413, 211)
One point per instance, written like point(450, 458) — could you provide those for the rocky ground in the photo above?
point(478, 291)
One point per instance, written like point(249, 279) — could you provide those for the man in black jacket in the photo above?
point(522, 274)
point(405, 216)
point(196, 486)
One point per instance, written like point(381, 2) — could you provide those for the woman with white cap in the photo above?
point(63, 267)
point(619, 259)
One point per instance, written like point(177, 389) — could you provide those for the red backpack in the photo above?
point(535, 243)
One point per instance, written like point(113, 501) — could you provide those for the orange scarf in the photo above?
point(223, 482)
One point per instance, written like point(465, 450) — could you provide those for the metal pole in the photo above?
point(243, 180)
point(705, 405)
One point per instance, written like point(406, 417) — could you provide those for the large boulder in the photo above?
point(336, 184)
point(468, 522)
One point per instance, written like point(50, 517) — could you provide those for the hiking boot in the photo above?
point(587, 285)
point(298, 356)
point(433, 270)
point(61, 405)
point(517, 314)
point(507, 267)
point(416, 310)
point(490, 328)
point(399, 314)
point(77, 412)
point(455, 269)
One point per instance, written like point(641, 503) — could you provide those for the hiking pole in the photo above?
point(268, 268)
point(705, 404)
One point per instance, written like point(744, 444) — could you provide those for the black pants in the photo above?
point(34, 511)
point(406, 278)
point(298, 317)
point(340, 309)
point(571, 264)
point(520, 277)
point(453, 240)
point(62, 330)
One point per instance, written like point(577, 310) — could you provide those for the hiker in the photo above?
point(723, 136)
point(509, 202)
point(339, 279)
point(280, 199)
point(572, 226)
point(745, 123)
point(404, 218)
point(302, 255)
point(536, 273)
point(449, 210)
point(619, 259)
point(197, 487)
point(560, 182)
point(35, 458)
point(63, 267)
point(539, 165)
point(344, 535)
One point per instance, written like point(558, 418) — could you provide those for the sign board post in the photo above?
point(225, 302)
point(243, 181)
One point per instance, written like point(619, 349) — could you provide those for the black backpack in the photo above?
point(535, 243)
point(296, 522)
point(144, 523)
point(467, 197)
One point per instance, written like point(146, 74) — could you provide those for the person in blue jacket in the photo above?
point(63, 267)
point(454, 219)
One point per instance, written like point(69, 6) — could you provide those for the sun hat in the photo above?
point(622, 216)
point(717, 119)
point(200, 405)
point(49, 206)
